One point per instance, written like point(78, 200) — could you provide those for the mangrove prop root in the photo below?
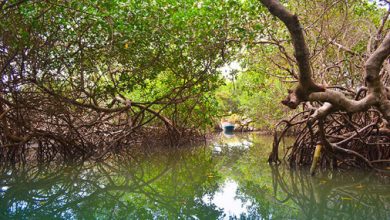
point(348, 140)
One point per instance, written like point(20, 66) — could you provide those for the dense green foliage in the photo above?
point(163, 54)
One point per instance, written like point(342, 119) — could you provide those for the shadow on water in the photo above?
point(227, 179)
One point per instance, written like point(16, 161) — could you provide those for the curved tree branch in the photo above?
point(301, 52)
point(308, 90)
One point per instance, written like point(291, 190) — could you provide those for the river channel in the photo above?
point(226, 178)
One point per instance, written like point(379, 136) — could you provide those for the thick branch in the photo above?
point(340, 101)
point(374, 63)
point(301, 49)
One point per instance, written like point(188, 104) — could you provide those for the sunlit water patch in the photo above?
point(227, 200)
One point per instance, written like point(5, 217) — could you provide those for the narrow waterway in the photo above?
point(227, 178)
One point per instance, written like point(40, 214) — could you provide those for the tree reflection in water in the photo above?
point(188, 184)
point(354, 195)
point(169, 185)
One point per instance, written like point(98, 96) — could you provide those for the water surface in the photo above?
point(227, 178)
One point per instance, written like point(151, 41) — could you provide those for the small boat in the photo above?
point(227, 127)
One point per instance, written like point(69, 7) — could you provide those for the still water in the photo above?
point(227, 178)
